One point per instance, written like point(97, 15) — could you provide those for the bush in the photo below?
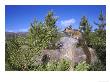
point(98, 42)
point(61, 65)
point(98, 66)
point(18, 55)
point(82, 66)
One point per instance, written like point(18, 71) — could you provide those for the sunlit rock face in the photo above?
point(69, 50)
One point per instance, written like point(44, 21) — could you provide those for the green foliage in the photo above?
point(82, 66)
point(85, 28)
point(101, 24)
point(52, 29)
point(52, 66)
point(21, 50)
point(50, 20)
point(98, 66)
point(62, 65)
point(18, 55)
point(84, 25)
point(96, 39)
point(98, 42)
point(44, 35)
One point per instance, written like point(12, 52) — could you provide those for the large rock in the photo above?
point(67, 50)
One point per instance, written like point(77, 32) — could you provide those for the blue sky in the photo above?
point(19, 17)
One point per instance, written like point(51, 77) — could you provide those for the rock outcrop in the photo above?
point(67, 50)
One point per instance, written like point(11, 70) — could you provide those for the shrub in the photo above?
point(19, 55)
point(62, 65)
point(98, 66)
point(98, 42)
point(82, 66)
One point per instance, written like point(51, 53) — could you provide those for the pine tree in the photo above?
point(85, 28)
point(99, 41)
point(44, 35)
point(51, 28)
point(50, 20)
point(101, 24)
point(84, 25)
point(35, 32)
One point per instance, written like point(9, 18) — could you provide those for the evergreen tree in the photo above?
point(50, 20)
point(85, 28)
point(99, 39)
point(35, 33)
point(101, 24)
point(51, 28)
point(84, 25)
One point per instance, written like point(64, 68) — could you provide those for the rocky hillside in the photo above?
point(10, 35)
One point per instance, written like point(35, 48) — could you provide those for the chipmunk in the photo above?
point(73, 33)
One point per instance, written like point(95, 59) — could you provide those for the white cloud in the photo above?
point(9, 30)
point(67, 22)
point(23, 30)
